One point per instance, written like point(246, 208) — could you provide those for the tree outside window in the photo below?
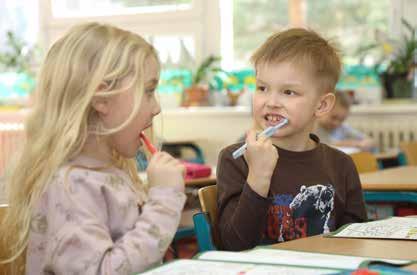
point(352, 23)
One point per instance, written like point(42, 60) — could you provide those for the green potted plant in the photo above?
point(16, 74)
point(18, 57)
point(198, 93)
point(396, 62)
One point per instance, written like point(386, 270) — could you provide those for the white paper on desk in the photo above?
point(192, 267)
point(392, 228)
point(293, 258)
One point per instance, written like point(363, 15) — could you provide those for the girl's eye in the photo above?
point(261, 88)
point(150, 91)
point(289, 92)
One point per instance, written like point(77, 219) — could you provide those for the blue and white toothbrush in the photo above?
point(268, 132)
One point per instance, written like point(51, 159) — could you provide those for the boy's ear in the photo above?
point(100, 103)
point(325, 104)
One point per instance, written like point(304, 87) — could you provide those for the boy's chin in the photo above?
point(281, 134)
point(278, 136)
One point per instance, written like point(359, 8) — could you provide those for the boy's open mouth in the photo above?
point(273, 119)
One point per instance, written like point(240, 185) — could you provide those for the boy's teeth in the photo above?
point(272, 118)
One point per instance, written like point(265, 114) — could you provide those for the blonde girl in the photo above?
point(77, 205)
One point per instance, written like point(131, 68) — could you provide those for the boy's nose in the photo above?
point(274, 100)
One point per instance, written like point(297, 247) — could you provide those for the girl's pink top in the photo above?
point(94, 222)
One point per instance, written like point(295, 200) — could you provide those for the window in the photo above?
point(253, 22)
point(20, 17)
point(351, 22)
point(182, 31)
point(174, 51)
point(74, 8)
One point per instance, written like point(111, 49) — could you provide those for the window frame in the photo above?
point(201, 22)
point(207, 22)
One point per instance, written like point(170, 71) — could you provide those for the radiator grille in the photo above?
point(387, 133)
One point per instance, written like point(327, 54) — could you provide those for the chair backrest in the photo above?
point(208, 201)
point(409, 149)
point(206, 223)
point(365, 162)
point(6, 269)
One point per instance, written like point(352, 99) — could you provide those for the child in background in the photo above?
point(76, 201)
point(331, 129)
point(290, 185)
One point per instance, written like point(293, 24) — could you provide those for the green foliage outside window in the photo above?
point(352, 23)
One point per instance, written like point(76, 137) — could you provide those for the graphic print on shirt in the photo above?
point(306, 214)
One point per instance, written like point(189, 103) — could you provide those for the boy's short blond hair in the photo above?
point(306, 48)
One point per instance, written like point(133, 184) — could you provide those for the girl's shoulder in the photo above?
point(83, 170)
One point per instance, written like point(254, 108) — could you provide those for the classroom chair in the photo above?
point(409, 149)
point(179, 149)
point(4, 250)
point(183, 232)
point(205, 222)
point(365, 162)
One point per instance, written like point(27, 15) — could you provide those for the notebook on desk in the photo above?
point(400, 228)
point(267, 261)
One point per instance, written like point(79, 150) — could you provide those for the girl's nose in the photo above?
point(157, 109)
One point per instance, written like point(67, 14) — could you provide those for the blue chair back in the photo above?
point(202, 229)
point(205, 223)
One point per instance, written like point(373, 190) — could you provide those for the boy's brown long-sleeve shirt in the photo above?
point(311, 192)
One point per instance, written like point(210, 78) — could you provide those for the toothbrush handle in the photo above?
point(148, 144)
point(239, 152)
point(268, 132)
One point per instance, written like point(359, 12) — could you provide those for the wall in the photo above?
point(213, 128)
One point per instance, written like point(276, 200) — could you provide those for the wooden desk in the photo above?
point(389, 249)
point(392, 179)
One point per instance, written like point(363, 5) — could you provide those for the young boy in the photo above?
point(290, 185)
point(331, 129)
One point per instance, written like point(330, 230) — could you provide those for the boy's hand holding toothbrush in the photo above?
point(163, 169)
point(262, 158)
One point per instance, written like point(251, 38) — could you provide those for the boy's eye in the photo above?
point(261, 88)
point(289, 92)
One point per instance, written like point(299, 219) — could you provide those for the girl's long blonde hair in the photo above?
point(62, 115)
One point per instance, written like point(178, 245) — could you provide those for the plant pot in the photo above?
point(196, 95)
point(396, 85)
point(234, 96)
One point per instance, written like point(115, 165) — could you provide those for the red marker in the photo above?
point(148, 144)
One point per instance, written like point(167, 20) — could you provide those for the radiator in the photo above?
point(388, 131)
point(11, 138)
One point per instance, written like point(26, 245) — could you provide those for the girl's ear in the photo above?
point(100, 103)
point(325, 104)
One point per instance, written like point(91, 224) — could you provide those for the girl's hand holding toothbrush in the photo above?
point(163, 169)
